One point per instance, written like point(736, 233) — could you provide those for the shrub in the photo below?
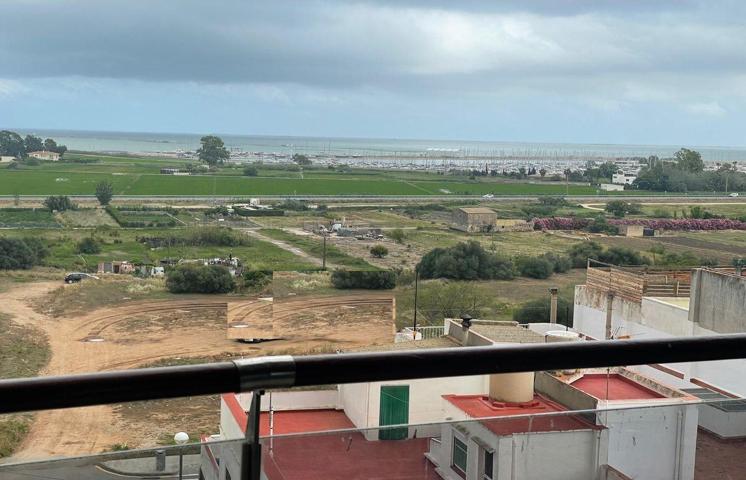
point(684, 223)
point(581, 252)
point(539, 310)
point(623, 256)
point(379, 251)
point(370, 280)
point(397, 235)
point(561, 223)
point(251, 171)
point(465, 261)
point(553, 201)
point(534, 267)
point(21, 253)
point(257, 279)
point(620, 208)
point(560, 263)
point(59, 203)
point(199, 279)
point(600, 225)
point(88, 245)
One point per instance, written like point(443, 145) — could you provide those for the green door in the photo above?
point(394, 411)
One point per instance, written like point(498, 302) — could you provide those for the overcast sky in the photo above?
point(603, 71)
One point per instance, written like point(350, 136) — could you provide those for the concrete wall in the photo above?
point(658, 442)
point(560, 392)
point(544, 455)
point(718, 302)
point(299, 400)
point(722, 423)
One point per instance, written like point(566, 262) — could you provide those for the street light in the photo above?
point(181, 438)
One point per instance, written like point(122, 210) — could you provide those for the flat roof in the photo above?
point(507, 333)
point(303, 421)
point(436, 342)
point(476, 210)
point(614, 387)
point(481, 406)
point(682, 302)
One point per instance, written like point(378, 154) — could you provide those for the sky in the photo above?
point(669, 72)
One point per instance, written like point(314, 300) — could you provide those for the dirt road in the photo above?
point(127, 336)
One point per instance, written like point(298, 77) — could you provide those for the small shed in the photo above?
point(474, 219)
point(631, 230)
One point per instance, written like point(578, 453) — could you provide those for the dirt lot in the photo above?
point(134, 334)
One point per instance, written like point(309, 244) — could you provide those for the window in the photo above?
point(459, 458)
point(488, 465)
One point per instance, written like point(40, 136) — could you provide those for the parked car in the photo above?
point(76, 277)
point(734, 194)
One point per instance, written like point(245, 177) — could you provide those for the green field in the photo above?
point(27, 218)
point(313, 246)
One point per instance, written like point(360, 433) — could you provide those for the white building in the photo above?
point(621, 178)
point(7, 158)
point(520, 425)
point(699, 303)
point(45, 155)
point(612, 187)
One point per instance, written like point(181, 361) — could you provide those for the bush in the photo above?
point(600, 225)
point(59, 203)
point(370, 280)
point(88, 245)
point(465, 261)
point(397, 235)
point(620, 208)
point(21, 253)
point(250, 171)
point(199, 279)
point(534, 267)
point(257, 279)
point(379, 251)
point(539, 310)
point(623, 256)
point(560, 263)
point(581, 252)
point(553, 201)
point(199, 237)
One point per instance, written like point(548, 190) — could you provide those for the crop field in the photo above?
point(27, 218)
point(83, 180)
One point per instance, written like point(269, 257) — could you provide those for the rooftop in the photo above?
point(477, 210)
point(436, 342)
point(303, 421)
point(506, 332)
point(481, 406)
point(614, 387)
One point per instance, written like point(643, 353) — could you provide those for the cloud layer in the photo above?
point(609, 57)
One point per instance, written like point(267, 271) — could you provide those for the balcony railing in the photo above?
point(257, 374)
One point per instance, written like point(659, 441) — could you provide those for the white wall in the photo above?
point(301, 400)
point(361, 402)
point(522, 456)
point(724, 424)
point(656, 319)
point(653, 443)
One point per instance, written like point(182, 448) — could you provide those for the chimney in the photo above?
point(553, 305)
point(465, 326)
point(512, 387)
point(609, 305)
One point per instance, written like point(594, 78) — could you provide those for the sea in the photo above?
point(172, 143)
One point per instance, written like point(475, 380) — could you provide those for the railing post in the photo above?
point(251, 450)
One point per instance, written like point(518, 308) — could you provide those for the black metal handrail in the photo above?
point(42, 393)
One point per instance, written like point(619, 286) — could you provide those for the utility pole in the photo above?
point(323, 261)
point(416, 284)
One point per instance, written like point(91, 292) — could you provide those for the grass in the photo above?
point(27, 218)
point(315, 247)
point(123, 244)
point(24, 351)
point(86, 217)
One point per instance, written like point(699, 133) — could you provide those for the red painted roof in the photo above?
point(302, 421)
point(613, 387)
point(480, 406)
point(347, 456)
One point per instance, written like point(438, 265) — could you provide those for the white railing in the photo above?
point(422, 333)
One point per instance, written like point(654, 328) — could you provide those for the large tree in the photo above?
point(689, 160)
point(212, 151)
point(104, 192)
point(11, 144)
point(32, 143)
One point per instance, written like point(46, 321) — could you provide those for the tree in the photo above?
point(213, 151)
point(50, 145)
point(11, 144)
point(620, 208)
point(88, 245)
point(581, 252)
point(534, 267)
point(370, 280)
point(21, 253)
point(250, 171)
point(379, 251)
point(190, 278)
point(543, 172)
point(59, 203)
point(104, 192)
point(439, 300)
point(606, 170)
point(301, 159)
point(32, 143)
point(397, 235)
point(465, 261)
point(623, 256)
point(689, 160)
